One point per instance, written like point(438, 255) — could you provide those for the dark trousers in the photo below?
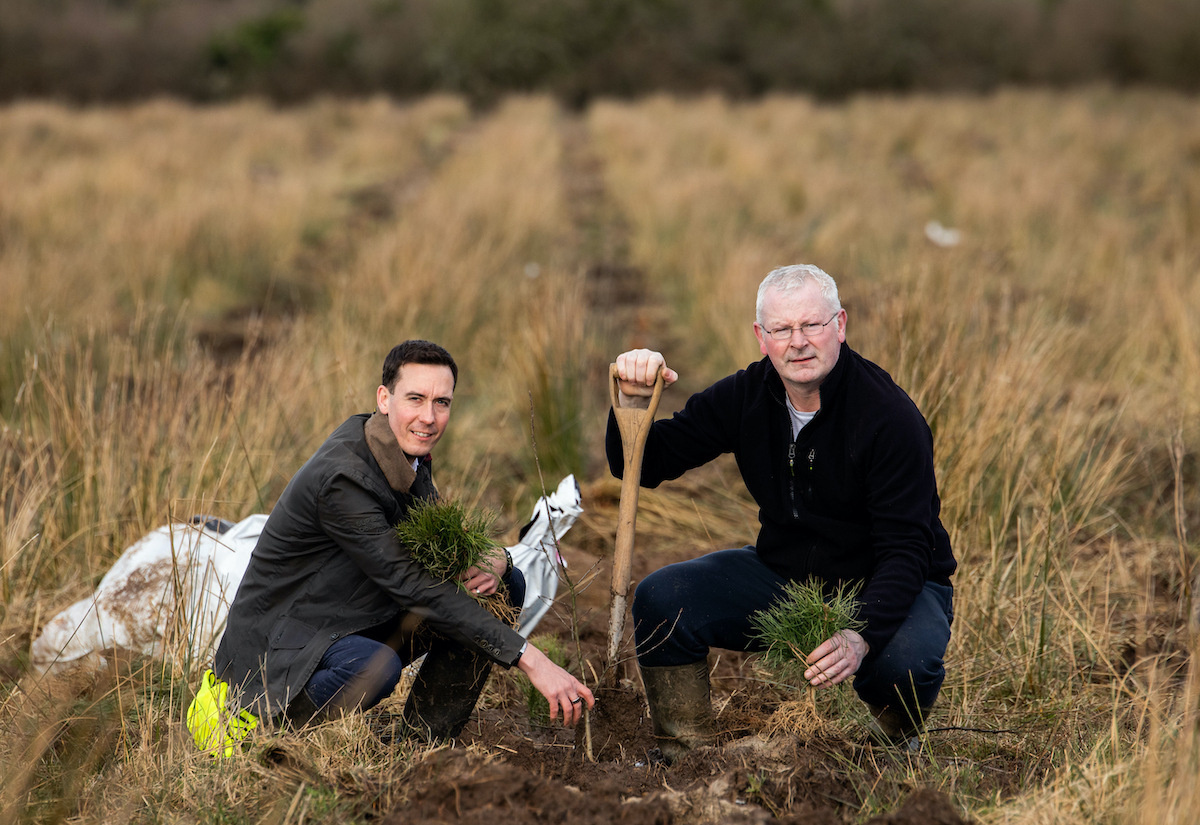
point(683, 609)
point(361, 670)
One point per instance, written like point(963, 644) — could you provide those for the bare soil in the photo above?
point(505, 770)
point(607, 770)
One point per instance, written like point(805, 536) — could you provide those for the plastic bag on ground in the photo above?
point(170, 589)
point(536, 551)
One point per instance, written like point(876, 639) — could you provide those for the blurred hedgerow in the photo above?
point(808, 615)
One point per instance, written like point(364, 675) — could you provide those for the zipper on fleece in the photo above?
point(792, 479)
point(812, 457)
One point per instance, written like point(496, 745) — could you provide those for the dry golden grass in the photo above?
point(191, 299)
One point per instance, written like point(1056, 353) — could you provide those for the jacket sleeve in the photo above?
point(352, 515)
point(901, 493)
point(708, 426)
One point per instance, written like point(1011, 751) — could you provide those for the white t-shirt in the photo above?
point(799, 419)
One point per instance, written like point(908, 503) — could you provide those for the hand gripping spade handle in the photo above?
point(634, 425)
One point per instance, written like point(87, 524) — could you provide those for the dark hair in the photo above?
point(415, 352)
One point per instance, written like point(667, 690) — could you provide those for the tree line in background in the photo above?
point(291, 50)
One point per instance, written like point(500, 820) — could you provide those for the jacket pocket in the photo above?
point(291, 634)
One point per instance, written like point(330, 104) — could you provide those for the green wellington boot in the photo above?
point(680, 707)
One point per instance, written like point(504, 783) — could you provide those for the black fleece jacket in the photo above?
point(853, 498)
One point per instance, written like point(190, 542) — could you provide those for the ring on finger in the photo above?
point(576, 700)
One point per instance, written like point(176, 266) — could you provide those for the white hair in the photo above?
point(786, 279)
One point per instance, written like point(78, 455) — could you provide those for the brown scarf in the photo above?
point(396, 466)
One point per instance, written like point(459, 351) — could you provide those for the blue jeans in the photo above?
point(683, 609)
point(361, 670)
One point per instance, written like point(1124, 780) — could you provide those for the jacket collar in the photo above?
point(381, 441)
point(830, 385)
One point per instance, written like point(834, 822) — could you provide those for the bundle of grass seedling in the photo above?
point(790, 631)
point(447, 539)
point(795, 626)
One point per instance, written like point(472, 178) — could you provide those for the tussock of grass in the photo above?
point(448, 539)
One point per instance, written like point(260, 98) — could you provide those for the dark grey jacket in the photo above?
point(328, 564)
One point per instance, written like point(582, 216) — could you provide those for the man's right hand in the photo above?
point(636, 371)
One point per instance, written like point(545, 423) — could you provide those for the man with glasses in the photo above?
point(840, 462)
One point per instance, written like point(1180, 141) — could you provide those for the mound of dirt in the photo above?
point(926, 805)
point(617, 729)
point(750, 781)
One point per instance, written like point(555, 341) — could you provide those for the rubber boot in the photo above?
point(445, 691)
point(680, 707)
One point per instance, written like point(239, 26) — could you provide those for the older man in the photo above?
point(333, 606)
point(840, 462)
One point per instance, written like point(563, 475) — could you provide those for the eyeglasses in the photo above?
point(807, 330)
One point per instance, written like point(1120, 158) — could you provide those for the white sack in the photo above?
point(180, 575)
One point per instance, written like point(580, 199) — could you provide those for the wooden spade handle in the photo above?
point(634, 426)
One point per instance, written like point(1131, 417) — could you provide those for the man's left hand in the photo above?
point(836, 659)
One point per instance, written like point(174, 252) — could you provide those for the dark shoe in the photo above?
point(895, 727)
point(680, 707)
point(389, 728)
point(302, 710)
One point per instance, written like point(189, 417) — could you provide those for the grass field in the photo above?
point(192, 298)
